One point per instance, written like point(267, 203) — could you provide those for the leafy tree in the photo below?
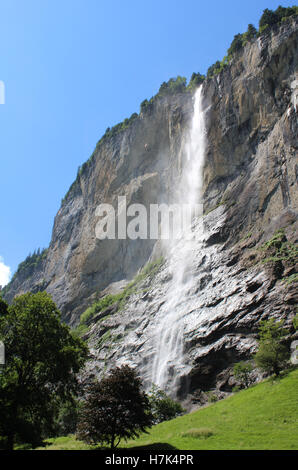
point(174, 85)
point(42, 360)
point(163, 407)
point(115, 408)
point(236, 45)
point(251, 32)
point(272, 355)
point(213, 69)
point(196, 79)
point(269, 18)
point(242, 372)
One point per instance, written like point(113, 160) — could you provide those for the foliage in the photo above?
point(67, 417)
point(30, 264)
point(163, 407)
point(212, 397)
point(295, 322)
point(272, 355)
point(42, 360)
point(242, 372)
point(121, 298)
point(236, 44)
point(278, 248)
point(195, 80)
point(174, 85)
point(251, 32)
point(115, 408)
point(268, 17)
point(262, 417)
point(3, 307)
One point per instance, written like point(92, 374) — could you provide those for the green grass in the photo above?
point(263, 417)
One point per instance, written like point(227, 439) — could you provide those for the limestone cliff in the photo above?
point(250, 192)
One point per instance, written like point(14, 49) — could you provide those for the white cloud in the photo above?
point(5, 273)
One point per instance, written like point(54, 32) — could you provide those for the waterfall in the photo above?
point(169, 362)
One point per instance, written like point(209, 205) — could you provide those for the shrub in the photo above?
point(163, 407)
point(242, 372)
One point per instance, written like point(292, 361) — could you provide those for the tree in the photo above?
point(242, 372)
point(196, 79)
point(272, 355)
point(251, 32)
point(269, 18)
point(163, 407)
point(115, 408)
point(42, 361)
point(236, 45)
point(213, 69)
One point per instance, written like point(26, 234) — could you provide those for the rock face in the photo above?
point(250, 192)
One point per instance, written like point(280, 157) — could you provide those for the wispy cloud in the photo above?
point(5, 273)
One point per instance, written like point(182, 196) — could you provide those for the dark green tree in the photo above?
point(236, 45)
point(42, 362)
point(213, 69)
point(115, 408)
point(251, 32)
point(196, 79)
point(269, 17)
point(272, 356)
point(242, 372)
point(163, 407)
point(174, 85)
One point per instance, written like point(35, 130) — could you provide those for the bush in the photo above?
point(242, 372)
point(163, 407)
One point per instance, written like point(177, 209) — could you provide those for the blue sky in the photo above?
point(72, 68)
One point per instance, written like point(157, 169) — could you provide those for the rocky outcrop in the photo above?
point(250, 192)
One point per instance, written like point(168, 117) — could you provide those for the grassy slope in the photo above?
point(262, 417)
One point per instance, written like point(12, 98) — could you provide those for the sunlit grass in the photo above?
point(263, 417)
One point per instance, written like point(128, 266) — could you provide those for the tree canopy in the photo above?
point(115, 408)
point(42, 360)
point(272, 355)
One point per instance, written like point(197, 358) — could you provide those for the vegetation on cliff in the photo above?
point(117, 300)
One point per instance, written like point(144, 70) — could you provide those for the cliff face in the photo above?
point(250, 192)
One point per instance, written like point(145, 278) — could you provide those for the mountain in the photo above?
point(241, 270)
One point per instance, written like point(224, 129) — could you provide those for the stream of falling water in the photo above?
point(169, 364)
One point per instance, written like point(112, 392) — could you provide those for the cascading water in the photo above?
point(169, 363)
